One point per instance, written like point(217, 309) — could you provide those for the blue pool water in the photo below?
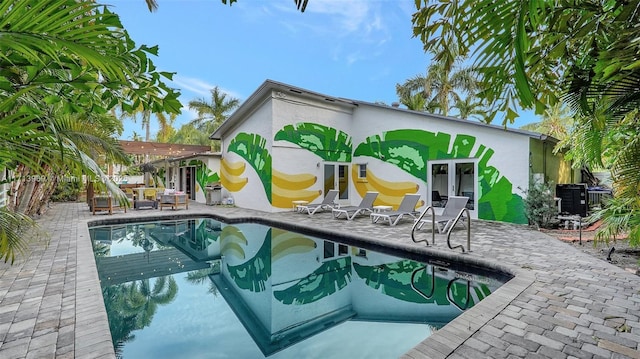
point(200, 288)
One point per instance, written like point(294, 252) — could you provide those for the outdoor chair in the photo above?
point(149, 193)
point(107, 203)
point(101, 203)
point(174, 201)
point(327, 202)
point(407, 208)
point(350, 212)
point(454, 205)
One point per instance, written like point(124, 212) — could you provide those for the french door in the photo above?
point(458, 177)
point(336, 176)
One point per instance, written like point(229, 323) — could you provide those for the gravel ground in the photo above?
point(623, 255)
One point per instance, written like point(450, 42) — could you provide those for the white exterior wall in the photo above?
point(511, 156)
point(252, 195)
point(507, 153)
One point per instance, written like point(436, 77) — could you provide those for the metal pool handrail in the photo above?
point(455, 221)
point(433, 226)
point(433, 283)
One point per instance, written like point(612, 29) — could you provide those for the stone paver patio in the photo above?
point(562, 303)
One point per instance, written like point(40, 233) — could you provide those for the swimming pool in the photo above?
point(203, 288)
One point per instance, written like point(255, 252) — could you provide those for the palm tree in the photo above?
point(166, 130)
point(470, 108)
point(189, 134)
point(444, 86)
point(534, 56)
point(556, 122)
point(212, 114)
point(61, 60)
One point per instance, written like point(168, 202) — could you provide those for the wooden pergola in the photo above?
point(161, 149)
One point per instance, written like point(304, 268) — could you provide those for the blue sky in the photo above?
point(357, 49)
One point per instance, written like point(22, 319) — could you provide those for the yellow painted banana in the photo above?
point(232, 168)
point(386, 188)
point(234, 249)
point(389, 188)
point(233, 234)
point(233, 184)
point(381, 199)
point(287, 243)
point(283, 198)
point(292, 181)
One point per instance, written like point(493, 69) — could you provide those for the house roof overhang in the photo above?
point(270, 87)
point(161, 149)
point(276, 89)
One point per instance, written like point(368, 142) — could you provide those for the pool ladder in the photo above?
point(428, 295)
point(464, 211)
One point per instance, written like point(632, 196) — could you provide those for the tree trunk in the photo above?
point(31, 193)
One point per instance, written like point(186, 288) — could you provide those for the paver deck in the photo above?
point(562, 303)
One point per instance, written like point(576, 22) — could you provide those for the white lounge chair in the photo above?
point(407, 208)
point(327, 202)
point(350, 212)
point(454, 205)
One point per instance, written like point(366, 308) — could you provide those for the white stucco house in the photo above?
point(286, 143)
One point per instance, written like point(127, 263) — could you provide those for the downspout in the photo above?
point(544, 159)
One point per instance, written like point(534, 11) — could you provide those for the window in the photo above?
point(362, 170)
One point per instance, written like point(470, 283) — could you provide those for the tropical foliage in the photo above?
point(64, 65)
point(212, 114)
point(536, 54)
point(540, 205)
point(446, 86)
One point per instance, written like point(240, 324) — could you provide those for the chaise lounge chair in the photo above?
point(365, 206)
point(327, 202)
point(454, 205)
point(407, 208)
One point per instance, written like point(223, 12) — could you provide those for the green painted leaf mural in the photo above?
point(204, 175)
point(328, 143)
point(329, 278)
point(252, 148)
point(394, 280)
point(411, 149)
point(254, 273)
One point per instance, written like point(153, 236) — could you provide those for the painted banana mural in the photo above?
point(330, 277)
point(204, 175)
point(328, 143)
point(255, 272)
point(411, 149)
point(285, 243)
point(389, 193)
point(291, 187)
point(252, 148)
point(231, 178)
point(394, 280)
point(232, 242)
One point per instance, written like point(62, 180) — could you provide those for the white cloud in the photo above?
point(200, 87)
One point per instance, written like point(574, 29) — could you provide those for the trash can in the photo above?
point(214, 194)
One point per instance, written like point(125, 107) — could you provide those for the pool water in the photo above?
point(200, 288)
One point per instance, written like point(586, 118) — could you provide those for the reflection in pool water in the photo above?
point(202, 288)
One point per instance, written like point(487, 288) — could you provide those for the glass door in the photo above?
point(336, 176)
point(453, 178)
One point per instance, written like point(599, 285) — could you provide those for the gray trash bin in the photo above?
point(214, 195)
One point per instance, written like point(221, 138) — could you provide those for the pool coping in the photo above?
point(93, 337)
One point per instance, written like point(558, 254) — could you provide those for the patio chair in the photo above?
point(149, 193)
point(101, 203)
point(327, 202)
point(407, 208)
point(174, 201)
point(350, 212)
point(454, 205)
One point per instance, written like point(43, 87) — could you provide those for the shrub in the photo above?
point(540, 205)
